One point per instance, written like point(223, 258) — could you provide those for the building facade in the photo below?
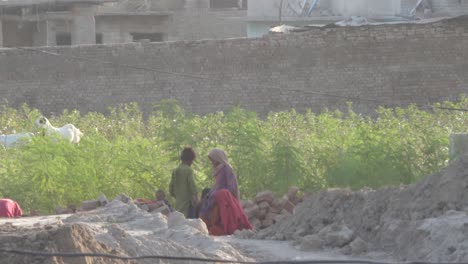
point(71, 22)
point(75, 22)
point(209, 19)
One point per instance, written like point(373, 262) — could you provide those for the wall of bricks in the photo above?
point(392, 64)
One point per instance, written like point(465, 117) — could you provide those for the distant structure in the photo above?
point(209, 19)
point(428, 9)
point(265, 14)
point(393, 64)
point(76, 22)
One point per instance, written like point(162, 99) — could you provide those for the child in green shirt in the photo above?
point(182, 186)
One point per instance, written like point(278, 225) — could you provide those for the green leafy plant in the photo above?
point(125, 152)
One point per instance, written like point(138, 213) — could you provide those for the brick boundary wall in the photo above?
point(396, 64)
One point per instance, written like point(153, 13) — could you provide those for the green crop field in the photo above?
point(121, 152)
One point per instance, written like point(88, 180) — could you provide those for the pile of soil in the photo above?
point(77, 238)
point(426, 221)
point(118, 228)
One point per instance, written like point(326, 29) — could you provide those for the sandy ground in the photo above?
point(273, 250)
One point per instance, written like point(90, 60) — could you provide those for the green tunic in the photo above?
point(183, 188)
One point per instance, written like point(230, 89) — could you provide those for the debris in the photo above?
point(102, 199)
point(123, 198)
point(267, 196)
point(89, 205)
point(422, 221)
point(266, 210)
point(353, 21)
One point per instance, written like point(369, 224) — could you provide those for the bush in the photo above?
point(122, 153)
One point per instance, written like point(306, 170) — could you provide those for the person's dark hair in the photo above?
point(188, 155)
point(205, 192)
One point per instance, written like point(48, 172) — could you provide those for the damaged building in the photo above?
point(428, 9)
point(74, 22)
point(265, 14)
point(208, 19)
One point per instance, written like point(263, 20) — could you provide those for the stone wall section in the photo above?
point(392, 64)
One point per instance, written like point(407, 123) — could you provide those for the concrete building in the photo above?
point(208, 19)
point(373, 9)
point(71, 22)
point(74, 22)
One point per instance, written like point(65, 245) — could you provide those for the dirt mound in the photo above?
point(118, 228)
point(426, 221)
point(77, 238)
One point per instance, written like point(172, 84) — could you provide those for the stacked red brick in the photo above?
point(265, 209)
point(262, 212)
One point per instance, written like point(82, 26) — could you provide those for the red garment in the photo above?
point(231, 214)
point(217, 230)
point(10, 208)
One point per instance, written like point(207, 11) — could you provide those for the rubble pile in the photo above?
point(77, 238)
point(117, 228)
point(89, 205)
point(426, 221)
point(265, 209)
point(154, 207)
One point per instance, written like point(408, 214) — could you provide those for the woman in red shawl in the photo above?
point(10, 208)
point(221, 209)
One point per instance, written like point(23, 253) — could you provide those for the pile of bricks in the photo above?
point(265, 209)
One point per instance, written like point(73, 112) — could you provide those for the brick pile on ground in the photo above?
point(425, 221)
point(266, 209)
point(154, 207)
point(263, 211)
